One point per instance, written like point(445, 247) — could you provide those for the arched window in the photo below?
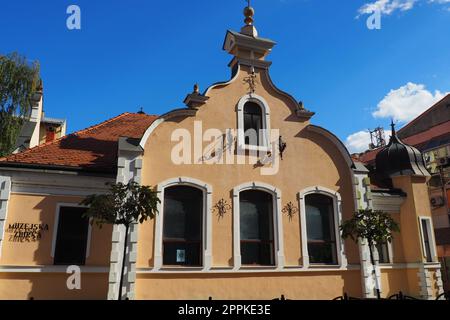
point(320, 226)
point(256, 228)
point(253, 124)
point(182, 226)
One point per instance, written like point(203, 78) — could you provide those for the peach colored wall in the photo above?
point(310, 160)
point(393, 281)
point(51, 286)
point(305, 285)
point(38, 209)
point(416, 204)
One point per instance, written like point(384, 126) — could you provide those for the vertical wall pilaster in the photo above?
point(5, 191)
point(129, 169)
point(363, 196)
point(425, 281)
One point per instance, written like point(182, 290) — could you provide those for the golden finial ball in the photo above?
point(249, 12)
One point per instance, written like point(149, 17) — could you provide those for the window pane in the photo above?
point(322, 252)
point(71, 239)
point(383, 253)
point(182, 229)
point(253, 123)
point(426, 239)
point(256, 227)
point(182, 253)
point(320, 229)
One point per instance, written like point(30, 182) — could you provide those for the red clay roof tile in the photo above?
point(92, 149)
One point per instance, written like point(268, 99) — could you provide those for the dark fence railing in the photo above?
point(397, 296)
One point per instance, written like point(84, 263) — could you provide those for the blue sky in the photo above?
point(137, 53)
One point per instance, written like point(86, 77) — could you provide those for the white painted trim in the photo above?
point(429, 223)
point(277, 221)
point(223, 84)
point(266, 122)
point(56, 225)
point(5, 195)
point(246, 270)
point(337, 206)
point(207, 219)
point(149, 132)
point(335, 140)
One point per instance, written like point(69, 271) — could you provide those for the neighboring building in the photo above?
point(252, 196)
point(38, 129)
point(430, 133)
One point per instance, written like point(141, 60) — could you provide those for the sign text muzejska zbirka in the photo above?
point(26, 232)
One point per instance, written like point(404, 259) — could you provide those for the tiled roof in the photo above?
point(93, 149)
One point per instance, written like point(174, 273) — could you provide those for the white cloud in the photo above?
point(403, 105)
point(358, 142)
point(387, 7)
point(407, 102)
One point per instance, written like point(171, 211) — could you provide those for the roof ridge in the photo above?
point(424, 113)
point(67, 136)
point(96, 126)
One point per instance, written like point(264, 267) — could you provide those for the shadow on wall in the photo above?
point(53, 285)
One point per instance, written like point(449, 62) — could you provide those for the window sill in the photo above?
point(258, 268)
point(325, 266)
point(249, 148)
point(181, 268)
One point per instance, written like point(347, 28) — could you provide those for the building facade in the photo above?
point(430, 133)
point(252, 197)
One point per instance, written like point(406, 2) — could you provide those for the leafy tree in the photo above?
point(376, 227)
point(123, 205)
point(18, 82)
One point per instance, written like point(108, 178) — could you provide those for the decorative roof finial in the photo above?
point(196, 89)
point(393, 127)
point(249, 28)
point(141, 111)
point(249, 12)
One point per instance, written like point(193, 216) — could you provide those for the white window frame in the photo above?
point(432, 240)
point(337, 206)
point(277, 225)
point(206, 223)
point(59, 205)
point(390, 249)
point(266, 123)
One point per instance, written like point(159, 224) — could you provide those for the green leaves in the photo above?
point(375, 226)
point(18, 82)
point(124, 204)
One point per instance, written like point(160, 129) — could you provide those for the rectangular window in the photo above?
point(427, 242)
point(183, 224)
point(71, 237)
point(383, 253)
point(256, 228)
point(320, 229)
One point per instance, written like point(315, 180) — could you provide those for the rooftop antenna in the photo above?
point(377, 138)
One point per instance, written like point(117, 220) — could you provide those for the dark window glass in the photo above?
point(320, 229)
point(182, 235)
point(256, 228)
point(383, 253)
point(426, 240)
point(72, 236)
point(253, 123)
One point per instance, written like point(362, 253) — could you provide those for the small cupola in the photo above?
point(399, 159)
point(246, 46)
